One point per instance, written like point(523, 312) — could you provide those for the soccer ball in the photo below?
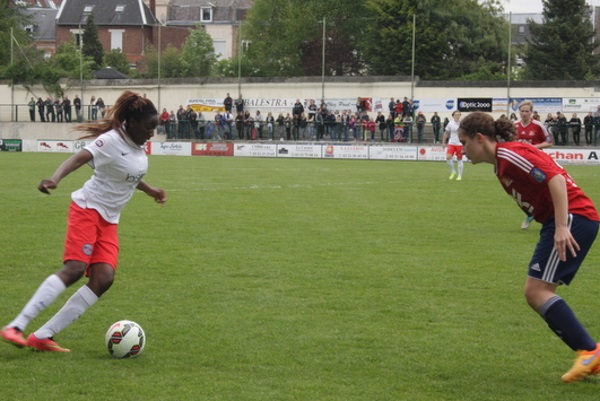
point(125, 339)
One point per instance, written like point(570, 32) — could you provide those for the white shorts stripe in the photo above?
point(553, 260)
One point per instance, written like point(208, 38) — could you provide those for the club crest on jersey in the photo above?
point(99, 143)
point(538, 175)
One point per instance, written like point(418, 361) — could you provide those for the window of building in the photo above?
point(119, 9)
point(206, 14)
point(116, 39)
point(521, 29)
point(87, 10)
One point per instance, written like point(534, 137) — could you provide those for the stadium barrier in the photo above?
point(282, 149)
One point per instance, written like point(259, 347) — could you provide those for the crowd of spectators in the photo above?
point(307, 122)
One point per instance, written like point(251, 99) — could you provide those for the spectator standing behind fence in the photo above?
point(398, 109)
point(239, 104)
point(50, 116)
point(436, 123)
point(380, 121)
point(550, 123)
point(258, 124)
point(596, 126)
point(228, 103)
point(588, 124)
point(101, 107)
point(287, 122)
point(67, 108)
point(575, 123)
point(93, 109)
point(163, 122)
point(562, 127)
point(239, 125)
point(77, 104)
point(270, 125)
point(181, 121)
point(421, 120)
point(391, 107)
point(40, 107)
point(58, 109)
point(31, 106)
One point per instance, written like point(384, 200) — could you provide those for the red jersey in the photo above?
point(524, 172)
point(535, 132)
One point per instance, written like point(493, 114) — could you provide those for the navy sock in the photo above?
point(563, 322)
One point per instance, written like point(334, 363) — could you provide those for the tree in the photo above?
point(170, 62)
point(451, 42)
point(91, 43)
point(198, 54)
point(12, 18)
point(117, 60)
point(286, 36)
point(562, 46)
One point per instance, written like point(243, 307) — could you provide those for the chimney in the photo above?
point(153, 7)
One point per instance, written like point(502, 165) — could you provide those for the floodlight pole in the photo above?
point(412, 69)
point(12, 84)
point(508, 64)
point(323, 62)
point(240, 53)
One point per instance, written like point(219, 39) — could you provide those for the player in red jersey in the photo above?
point(569, 226)
point(534, 132)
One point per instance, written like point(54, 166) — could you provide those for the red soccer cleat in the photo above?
point(45, 344)
point(13, 336)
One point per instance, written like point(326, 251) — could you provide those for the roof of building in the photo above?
point(106, 12)
point(43, 21)
point(523, 18)
point(108, 73)
point(223, 10)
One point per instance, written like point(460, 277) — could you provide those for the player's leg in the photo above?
point(546, 271)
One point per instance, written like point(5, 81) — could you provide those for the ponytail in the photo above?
point(479, 122)
point(129, 106)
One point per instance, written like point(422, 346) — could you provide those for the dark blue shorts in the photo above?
point(545, 264)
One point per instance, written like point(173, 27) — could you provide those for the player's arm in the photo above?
point(547, 138)
point(445, 137)
point(563, 239)
point(67, 167)
point(158, 194)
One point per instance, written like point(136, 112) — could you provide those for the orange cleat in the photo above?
point(46, 344)
point(586, 363)
point(13, 336)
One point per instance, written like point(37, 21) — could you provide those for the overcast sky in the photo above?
point(531, 6)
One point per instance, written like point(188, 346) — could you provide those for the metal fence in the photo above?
point(337, 131)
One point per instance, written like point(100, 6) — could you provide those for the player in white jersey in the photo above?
point(91, 247)
point(454, 148)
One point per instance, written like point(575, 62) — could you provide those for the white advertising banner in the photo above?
point(393, 152)
point(575, 156)
point(172, 148)
point(431, 153)
point(255, 150)
point(580, 105)
point(54, 146)
point(345, 152)
point(300, 151)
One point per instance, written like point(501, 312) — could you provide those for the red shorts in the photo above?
point(90, 238)
point(455, 150)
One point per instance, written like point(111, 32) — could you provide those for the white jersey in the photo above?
point(118, 165)
point(452, 127)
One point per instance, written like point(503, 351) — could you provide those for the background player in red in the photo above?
point(91, 247)
point(569, 226)
point(530, 130)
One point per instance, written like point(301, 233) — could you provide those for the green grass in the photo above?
point(281, 279)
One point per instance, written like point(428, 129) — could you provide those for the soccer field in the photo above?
point(292, 279)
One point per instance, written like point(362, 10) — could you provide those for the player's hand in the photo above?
point(563, 242)
point(46, 185)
